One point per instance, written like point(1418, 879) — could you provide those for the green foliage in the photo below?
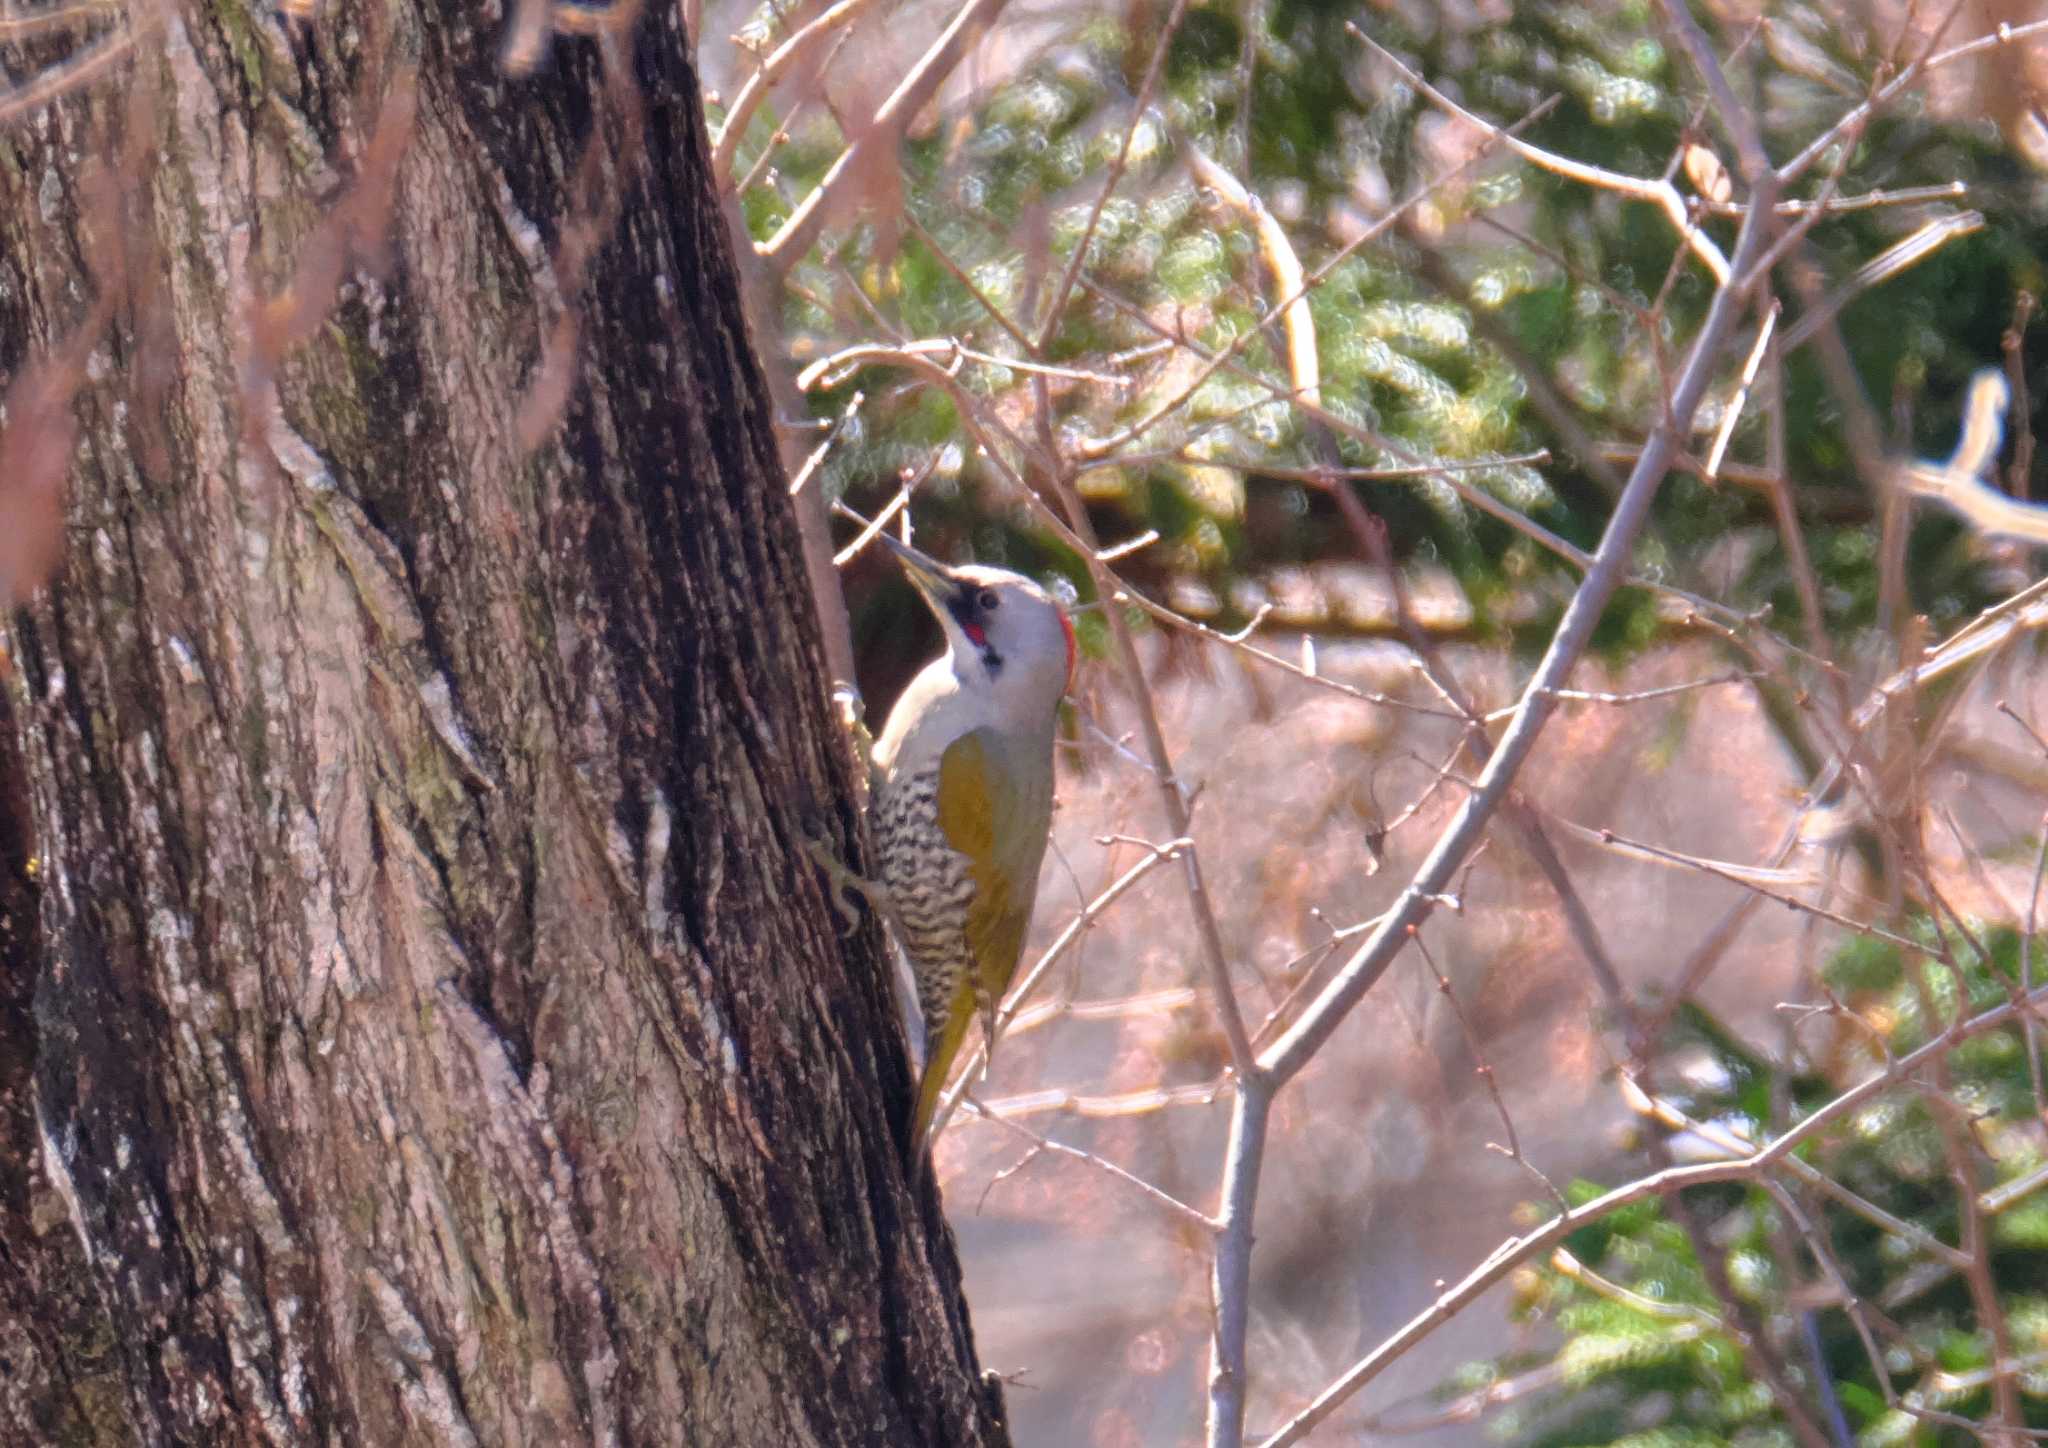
point(1646, 1353)
point(1330, 138)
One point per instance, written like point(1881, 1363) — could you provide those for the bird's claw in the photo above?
point(844, 885)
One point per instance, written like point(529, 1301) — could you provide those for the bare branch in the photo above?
point(1959, 482)
point(1171, 791)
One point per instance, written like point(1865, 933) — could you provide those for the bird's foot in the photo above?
point(845, 884)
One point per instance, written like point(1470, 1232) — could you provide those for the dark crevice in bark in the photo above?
point(55, 1339)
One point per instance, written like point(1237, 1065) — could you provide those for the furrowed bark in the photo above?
point(419, 1021)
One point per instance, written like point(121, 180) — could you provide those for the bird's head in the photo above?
point(1006, 634)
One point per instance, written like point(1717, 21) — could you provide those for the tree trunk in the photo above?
point(419, 1022)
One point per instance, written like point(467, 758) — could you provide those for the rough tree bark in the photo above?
point(418, 1021)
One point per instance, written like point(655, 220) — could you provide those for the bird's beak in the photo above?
point(939, 584)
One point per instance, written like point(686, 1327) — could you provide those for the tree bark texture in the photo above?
point(419, 1022)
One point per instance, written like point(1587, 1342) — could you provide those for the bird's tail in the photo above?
point(938, 1064)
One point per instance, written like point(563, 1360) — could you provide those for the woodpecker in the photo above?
point(961, 802)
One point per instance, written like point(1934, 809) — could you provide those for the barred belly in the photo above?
point(930, 886)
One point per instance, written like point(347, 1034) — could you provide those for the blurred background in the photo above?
point(1011, 260)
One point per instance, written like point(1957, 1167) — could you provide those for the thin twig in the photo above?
point(1481, 1068)
point(778, 64)
point(1579, 923)
point(2020, 471)
point(1177, 1208)
point(1929, 59)
point(1733, 413)
point(1056, 305)
point(1862, 201)
point(1660, 193)
point(1750, 158)
point(1635, 696)
point(1898, 257)
point(1851, 1307)
point(873, 526)
point(2027, 970)
point(796, 235)
point(1171, 793)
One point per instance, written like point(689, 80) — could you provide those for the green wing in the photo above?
point(983, 817)
point(1001, 831)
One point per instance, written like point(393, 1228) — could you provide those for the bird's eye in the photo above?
point(988, 600)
